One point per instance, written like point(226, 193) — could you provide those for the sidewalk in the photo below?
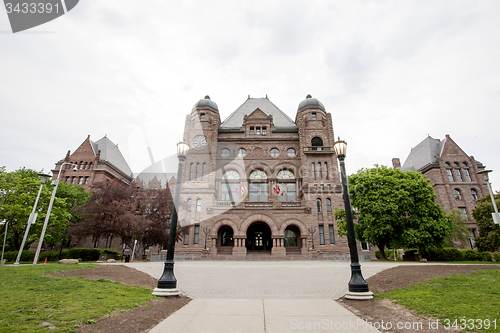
point(262, 296)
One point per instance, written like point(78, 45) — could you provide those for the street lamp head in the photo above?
point(340, 147)
point(44, 177)
point(182, 149)
point(485, 174)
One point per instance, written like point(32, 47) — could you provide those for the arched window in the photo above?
point(328, 205)
point(257, 175)
point(203, 171)
point(80, 181)
point(464, 164)
point(467, 175)
point(457, 195)
point(320, 171)
point(191, 167)
point(286, 186)
point(458, 174)
point(446, 164)
point(197, 171)
point(85, 166)
point(231, 175)
point(198, 205)
point(80, 165)
point(230, 186)
point(258, 187)
point(189, 203)
point(318, 205)
point(316, 142)
point(91, 165)
point(86, 180)
point(473, 194)
point(455, 164)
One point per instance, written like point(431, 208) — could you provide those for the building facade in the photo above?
point(95, 162)
point(453, 175)
point(259, 182)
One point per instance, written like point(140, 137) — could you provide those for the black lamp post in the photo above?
point(206, 230)
point(167, 284)
point(312, 230)
point(358, 288)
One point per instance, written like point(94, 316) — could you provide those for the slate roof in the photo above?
point(110, 153)
point(424, 154)
point(280, 119)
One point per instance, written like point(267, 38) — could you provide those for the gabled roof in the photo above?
point(110, 153)
point(280, 119)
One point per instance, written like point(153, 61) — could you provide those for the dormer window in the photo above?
point(202, 117)
point(264, 130)
point(251, 130)
point(313, 116)
point(257, 130)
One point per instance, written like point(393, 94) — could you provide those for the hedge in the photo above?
point(452, 254)
point(76, 253)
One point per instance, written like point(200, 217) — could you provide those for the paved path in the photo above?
point(259, 296)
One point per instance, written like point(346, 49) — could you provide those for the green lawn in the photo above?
point(462, 300)
point(29, 298)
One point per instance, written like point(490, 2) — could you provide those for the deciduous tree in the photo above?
point(396, 208)
point(489, 232)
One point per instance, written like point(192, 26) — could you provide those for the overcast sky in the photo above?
point(389, 72)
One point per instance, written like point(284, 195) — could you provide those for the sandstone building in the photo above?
point(95, 161)
point(259, 182)
point(453, 175)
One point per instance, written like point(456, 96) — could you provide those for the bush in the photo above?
point(84, 254)
point(445, 254)
point(50, 255)
point(487, 256)
point(496, 256)
point(472, 255)
point(25, 256)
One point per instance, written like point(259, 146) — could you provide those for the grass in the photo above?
point(29, 298)
point(459, 297)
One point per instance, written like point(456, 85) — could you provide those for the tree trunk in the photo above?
point(381, 248)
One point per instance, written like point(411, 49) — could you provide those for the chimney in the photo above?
point(396, 163)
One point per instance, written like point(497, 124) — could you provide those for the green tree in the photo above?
point(459, 230)
point(18, 191)
point(396, 209)
point(489, 232)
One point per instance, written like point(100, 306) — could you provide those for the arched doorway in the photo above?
point(259, 238)
point(293, 242)
point(225, 240)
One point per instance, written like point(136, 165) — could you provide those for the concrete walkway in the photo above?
point(259, 296)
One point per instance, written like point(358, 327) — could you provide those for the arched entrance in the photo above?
point(225, 240)
point(293, 242)
point(259, 238)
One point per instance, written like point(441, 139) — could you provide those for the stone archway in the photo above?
point(259, 238)
point(225, 240)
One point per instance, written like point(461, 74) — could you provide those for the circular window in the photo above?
point(275, 152)
point(242, 152)
point(290, 152)
point(225, 152)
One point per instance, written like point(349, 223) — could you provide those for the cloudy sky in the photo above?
point(389, 72)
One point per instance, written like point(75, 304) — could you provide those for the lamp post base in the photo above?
point(166, 292)
point(359, 295)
